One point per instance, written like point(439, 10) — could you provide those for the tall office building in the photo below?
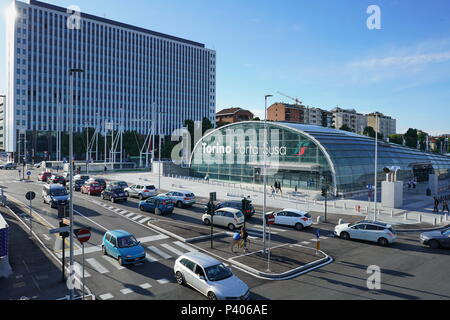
point(130, 74)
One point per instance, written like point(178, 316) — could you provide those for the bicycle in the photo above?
point(241, 245)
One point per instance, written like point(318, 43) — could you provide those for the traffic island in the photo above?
point(286, 261)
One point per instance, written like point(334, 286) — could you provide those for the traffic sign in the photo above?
point(30, 195)
point(83, 235)
point(213, 196)
point(369, 187)
point(270, 219)
point(28, 173)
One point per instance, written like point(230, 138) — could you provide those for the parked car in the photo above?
point(123, 246)
point(81, 177)
point(141, 191)
point(100, 181)
point(373, 231)
point(114, 194)
point(91, 188)
point(8, 166)
point(226, 217)
point(436, 239)
point(56, 179)
point(210, 277)
point(55, 195)
point(77, 184)
point(121, 184)
point(158, 205)
point(181, 198)
point(293, 218)
point(43, 176)
point(235, 205)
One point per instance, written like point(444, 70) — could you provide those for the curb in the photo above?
point(288, 274)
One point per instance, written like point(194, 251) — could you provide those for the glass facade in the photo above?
point(308, 157)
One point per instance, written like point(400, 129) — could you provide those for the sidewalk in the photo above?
point(418, 207)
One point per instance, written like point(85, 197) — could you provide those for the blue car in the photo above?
point(158, 205)
point(123, 246)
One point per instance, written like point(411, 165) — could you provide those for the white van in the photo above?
point(55, 195)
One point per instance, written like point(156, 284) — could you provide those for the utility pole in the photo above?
point(265, 172)
point(376, 169)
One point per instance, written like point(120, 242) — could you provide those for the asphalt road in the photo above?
point(409, 270)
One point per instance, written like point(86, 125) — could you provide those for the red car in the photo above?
point(44, 176)
point(91, 188)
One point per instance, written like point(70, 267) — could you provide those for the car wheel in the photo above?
point(207, 222)
point(383, 242)
point(299, 227)
point(120, 261)
point(345, 236)
point(231, 227)
point(179, 204)
point(434, 244)
point(180, 278)
point(104, 251)
point(141, 208)
point(211, 296)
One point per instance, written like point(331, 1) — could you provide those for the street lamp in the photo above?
point(376, 169)
point(71, 73)
point(265, 170)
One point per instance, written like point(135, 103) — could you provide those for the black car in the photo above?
point(114, 194)
point(78, 184)
point(236, 205)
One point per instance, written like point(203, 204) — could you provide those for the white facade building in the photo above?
point(128, 71)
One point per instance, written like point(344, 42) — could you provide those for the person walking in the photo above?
point(244, 237)
point(436, 205)
point(445, 206)
point(279, 188)
point(273, 191)
point(105, 169)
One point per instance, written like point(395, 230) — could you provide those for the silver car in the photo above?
point(181, 198)
point(210, 277)
point(141, 191)
point(436, 239)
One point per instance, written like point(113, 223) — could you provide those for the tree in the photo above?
point(411, 138)
point(256, 119)
point(370, 132)
point(396, 138)
point(206, 125)
point(346, 128)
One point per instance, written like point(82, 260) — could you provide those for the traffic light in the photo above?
point(324, 192)
point(209, 208)
point(244, 205)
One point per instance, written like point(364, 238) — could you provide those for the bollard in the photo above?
point(441, 219)
point(434, 221)
point(406, 216)
point(392, 213)
point(420, 218)
point(345, 205)
point(446, 217)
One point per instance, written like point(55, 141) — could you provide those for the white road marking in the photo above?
point(126, 291)
point(136, 217)
point(153, 238)
point(97, 266)
point(113, 262)
point(145, 286)
point(150, 258)
point(185, 246)
point(159, 252)
point(305, 242)
point(324, 238)
point(129, 215)
point(144, 220)
point(79, 270)
point(123, 212)
point(172, 249)
point(275, 229)
point(163, 281)
point(46, 237)
point(106, 296)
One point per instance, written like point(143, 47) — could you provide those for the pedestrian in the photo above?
point(279, 188)
point(445, 206)
point(244, 236)
point(273, 191)
point(436, 205)
point(105, 169)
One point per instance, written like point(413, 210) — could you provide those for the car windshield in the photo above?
point(122, 184)
point(117, 189)
point(150, 187)
point(58, 192)
point(239, 214)
point(127, 242)
point(218, 272)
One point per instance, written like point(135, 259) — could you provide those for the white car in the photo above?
point(292, 218)
point(180, 198)
point(226, 217)
point(373, 231)
point(141, 191)
point(210, 277)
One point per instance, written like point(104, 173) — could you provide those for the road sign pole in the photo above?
point(31, 220)
point(82, 246)
point(63, 258)
point(268, 255)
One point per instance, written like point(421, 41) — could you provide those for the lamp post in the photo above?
point(71, 162)
point(375, 197)
point(265, 170)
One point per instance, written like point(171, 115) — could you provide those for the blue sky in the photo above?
point(319, 51)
